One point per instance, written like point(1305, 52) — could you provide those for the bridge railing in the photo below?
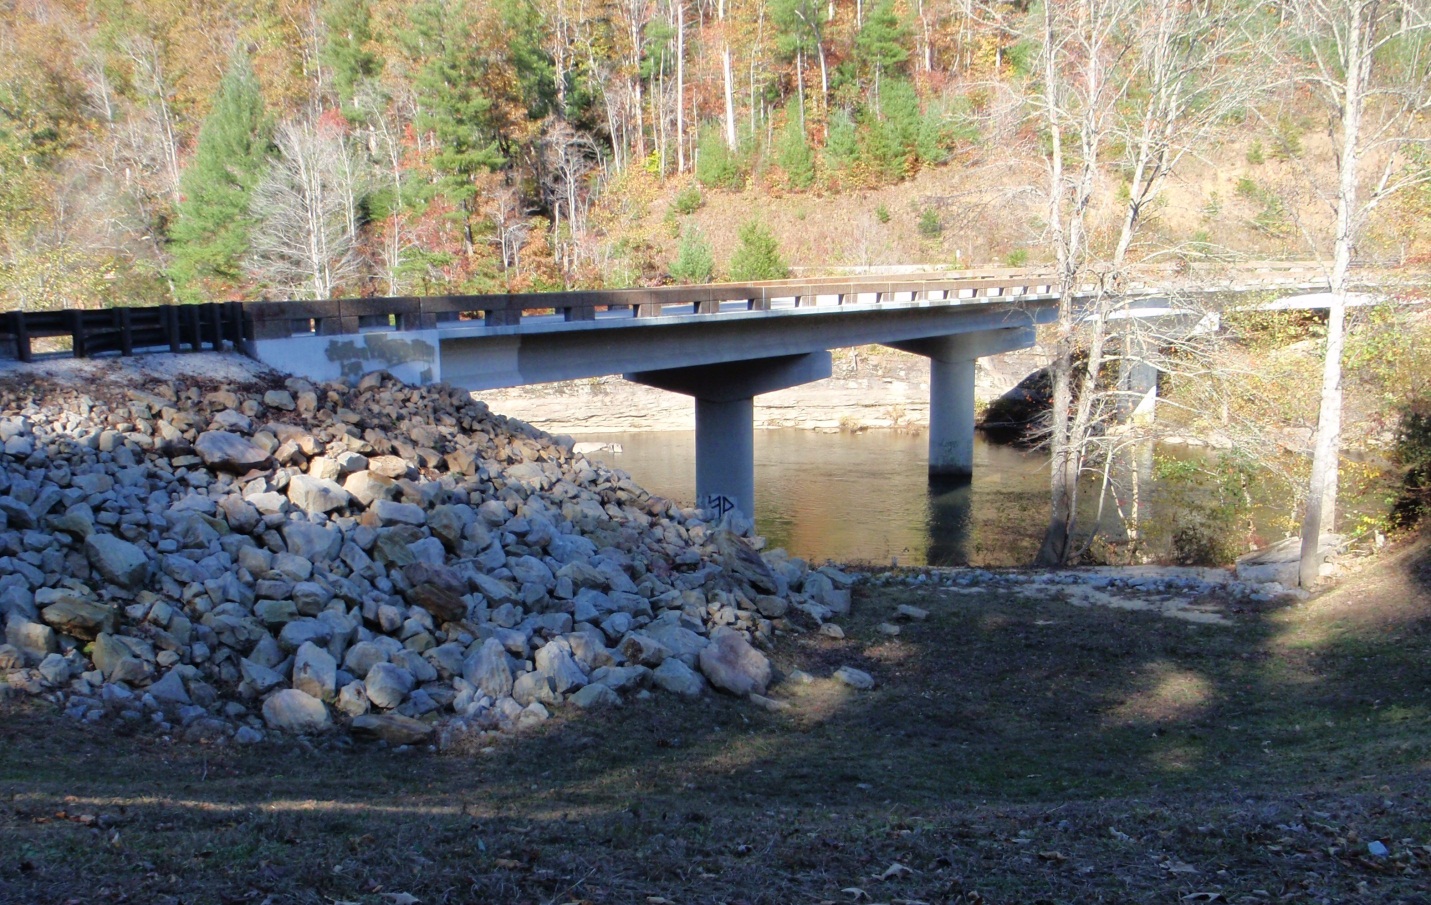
point(271, 320)
point(127, 330)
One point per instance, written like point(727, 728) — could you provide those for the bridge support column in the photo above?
point(725, 419)
point(951, 391)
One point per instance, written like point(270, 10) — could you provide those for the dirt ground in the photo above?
point(1013, 751)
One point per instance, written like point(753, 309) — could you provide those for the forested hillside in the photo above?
point(152, 151)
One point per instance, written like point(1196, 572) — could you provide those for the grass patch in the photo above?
point(1013, 751)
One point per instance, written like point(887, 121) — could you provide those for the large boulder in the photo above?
point(316, 494)
point(315, 672)
point(489, 669)
point(733, 666)
point(119, 561)
point(79, 618)
point(224, 451)
point(291, 710)
point(676, 677)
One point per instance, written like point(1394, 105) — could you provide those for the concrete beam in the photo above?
point(725, 419)
point(478, 358)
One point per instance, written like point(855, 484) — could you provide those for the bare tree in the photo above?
point(1369, 61)
point(306, 208)
point(567, 159)
point(1151, 76)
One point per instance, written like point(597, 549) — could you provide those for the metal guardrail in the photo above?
point(174, 327)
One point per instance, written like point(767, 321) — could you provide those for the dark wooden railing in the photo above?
point(176, 327)
point(171, 328)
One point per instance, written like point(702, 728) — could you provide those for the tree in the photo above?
point(306, 212)
point(1369, 62)
point(347, 50)
point(881, 44)
point(693, 263)
point(801, 26)
point(757, 257)
point(451, 103)
point(1154, 77)
point(211, 231)
point(793, 153)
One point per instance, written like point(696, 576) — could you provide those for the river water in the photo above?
point(864, 497)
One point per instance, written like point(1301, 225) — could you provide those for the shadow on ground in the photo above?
point(1014, 750)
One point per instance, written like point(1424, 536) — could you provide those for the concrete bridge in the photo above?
point(722, 344)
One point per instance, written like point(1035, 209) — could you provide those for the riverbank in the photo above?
point(1014, 746)
point(871, 387)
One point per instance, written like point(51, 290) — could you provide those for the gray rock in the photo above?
point(315, 672)
point(595, 697)
point(224, 451)
point(743, 562)
point(733, 666)
point(489, 669)
point(367, 487)
point(170, 689)
point(643, 650)
point(119, 561)
point(54, 669)
point(855, 678)
point(910, 612)
point(247, 735)
point(391, 467)
point(555, 660)
point(81, 619)
point(680, 641)
point(260, 677)
point(315, 543)
point(392, 513)
point(315, 494)
point(533, 687)
point(302, 631)
point(362, 657)
point(621, 678)
point(353, 699)
point(387, 685)
point(279, 399)
point(291, 710)
point(393, 728)
point(32, 638)
point(675, 676)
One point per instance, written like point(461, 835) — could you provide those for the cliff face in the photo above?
point(207, 545)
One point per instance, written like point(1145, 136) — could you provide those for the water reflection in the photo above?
point(951, 511)
point(864, 497)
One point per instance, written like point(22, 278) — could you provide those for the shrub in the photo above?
point(757, 257)
point(882, 213)
point(694, 263)
point(1255, 155)
point(842, 145)
point(929, 225)
point(1019, 257)
point(689, 200)
point(716, 165)
point(792, 151)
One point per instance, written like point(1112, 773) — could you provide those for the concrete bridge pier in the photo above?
point(725, 419)
point(951, 391)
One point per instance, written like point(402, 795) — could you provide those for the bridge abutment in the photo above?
point(951, 391)
point(725, 418)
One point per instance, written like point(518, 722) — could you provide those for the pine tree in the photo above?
point(693, 263)
point(881, 44)
point(793, 151)
point(346, 50)
point(451, 102)
point(212, 225)
point(757, 257)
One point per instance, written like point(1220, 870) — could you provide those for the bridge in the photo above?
point(722, 344)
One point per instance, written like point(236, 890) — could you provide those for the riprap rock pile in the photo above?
point(225, 559)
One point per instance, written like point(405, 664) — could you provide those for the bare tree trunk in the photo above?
point(680, 86)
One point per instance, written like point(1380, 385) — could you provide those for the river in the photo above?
point(863, 497)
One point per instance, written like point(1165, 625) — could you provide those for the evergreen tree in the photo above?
point(451, 103)
point(346, 50)
point(757, 257)
point(882, 44)
point(792, 151)
point(212, 224)
point(694, 263)
point(842, 145)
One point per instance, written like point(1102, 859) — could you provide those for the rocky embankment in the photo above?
point(228, 559)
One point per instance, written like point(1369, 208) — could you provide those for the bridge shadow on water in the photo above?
point(1010, 741)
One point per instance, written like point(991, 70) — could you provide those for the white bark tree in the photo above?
point(307, 212)
point(1369, 61)
point(1154, 77)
